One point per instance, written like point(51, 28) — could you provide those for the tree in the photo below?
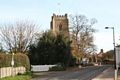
point(17, 36)
point(82, 35)
point(50, 49)
point(1, 48)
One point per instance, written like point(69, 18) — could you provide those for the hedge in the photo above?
point(57, 68)
point(19, 60)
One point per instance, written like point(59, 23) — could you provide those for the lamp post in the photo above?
point(114, 50)
point(113, 44)
point(12, 63)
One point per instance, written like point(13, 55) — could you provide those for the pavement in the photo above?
point(108, 74)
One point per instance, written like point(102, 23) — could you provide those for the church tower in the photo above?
point(59, 24)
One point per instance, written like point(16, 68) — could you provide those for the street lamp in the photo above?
point(114, 50)
point(12, 63)
point(113, 44)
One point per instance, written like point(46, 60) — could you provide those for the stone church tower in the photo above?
point(59, 24)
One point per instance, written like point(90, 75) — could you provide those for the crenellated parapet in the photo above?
point(59, 16)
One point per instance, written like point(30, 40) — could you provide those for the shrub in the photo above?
point(5, 60)
point(30, 73)
point(19, 60)
point(88, 64)
point(58, 67)
point(72, 62)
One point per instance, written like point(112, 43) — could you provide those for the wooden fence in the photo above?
point(11, 71)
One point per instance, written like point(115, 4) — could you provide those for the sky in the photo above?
point(107, 13)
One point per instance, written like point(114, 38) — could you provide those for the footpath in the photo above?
point(108, 74)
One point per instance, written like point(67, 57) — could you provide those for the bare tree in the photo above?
point(16, 37)
point(82, 34)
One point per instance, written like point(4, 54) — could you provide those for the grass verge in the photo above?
point(18, 77)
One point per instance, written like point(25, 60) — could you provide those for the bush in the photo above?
point(72, 62)
point(58, 67)
point(19, 60)
point(88, 64)
point(28, 73)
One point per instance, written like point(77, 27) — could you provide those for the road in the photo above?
point(86, 73)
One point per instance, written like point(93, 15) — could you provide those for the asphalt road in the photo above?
point(86, 73)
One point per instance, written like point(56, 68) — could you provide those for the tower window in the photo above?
point(60, 27)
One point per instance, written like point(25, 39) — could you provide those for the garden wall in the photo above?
point(37, 68)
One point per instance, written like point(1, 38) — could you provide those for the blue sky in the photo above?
point(107, 13)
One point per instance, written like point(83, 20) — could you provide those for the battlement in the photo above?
point(59, 16)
